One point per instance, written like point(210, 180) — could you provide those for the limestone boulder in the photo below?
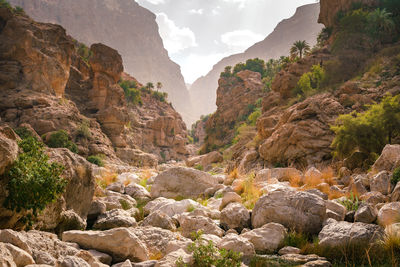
point(238, 244)
point(389, 214)
point(181, 182)
point(6, 258)
point(205, 160)
point(137, 192)
point(20, 256)
point(235, 216)
point(335, 210)
point(8, 148)
point(159, 219)
point(340, 234)
point(191, 224)
point(267, 238)
point(72, 261)
point(113, 219)
point(301, 211)
point(381, 183)
point(120, 243)
point(388, 160)
point(229, 197)
point(367, 213)
point(396, 193)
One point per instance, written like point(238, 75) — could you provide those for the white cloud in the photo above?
point(196, 11)
point(241, 3)
point(175, 39)
point(238, 41)
point(155, 2)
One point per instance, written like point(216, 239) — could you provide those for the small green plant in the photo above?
point(124, 204)
point(96, 159)
point(206, 254)
point(396, 176)
point(17, 9)
point(352, 203)
point(84, 130)
point(310, 82)
point(253, 117)
point(33, 182)
point(295, 239)
point(190, 208)
point(198, 167)
point(132, 93)
point(160, 96)
point(61, 139)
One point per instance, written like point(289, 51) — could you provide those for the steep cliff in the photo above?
point(125, 26)
point(48, 86)
point(301, 26)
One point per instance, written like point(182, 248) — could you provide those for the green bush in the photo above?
point(132, 93)
point(160, 96)
point(310, 82)
point(17, 9)
point(23, 132)
point(396, 176)
point(206, 254)
point(61, 139)
point(367, 132)
point(96, 159)
point(253, 117)
point(33, 182)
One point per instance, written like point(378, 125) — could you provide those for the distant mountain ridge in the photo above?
point(301, 26)
point(125, 26)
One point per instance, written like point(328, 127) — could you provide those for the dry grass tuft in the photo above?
point(250, 192)
point(106, 179)
point(234, 174)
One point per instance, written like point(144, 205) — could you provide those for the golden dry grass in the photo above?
point(107, 178)
point(249, 192)
point(321, 182)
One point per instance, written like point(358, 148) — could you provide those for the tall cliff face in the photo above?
point(301, 26)
point(47, 86)
point(125, 26)
point(329, 9)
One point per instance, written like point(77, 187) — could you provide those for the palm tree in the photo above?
point(381, 24)
point(299, 48)
point(149, 86)
point(159, 86)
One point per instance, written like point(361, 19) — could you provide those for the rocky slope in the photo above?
point(301, 26)
point(48, 86)
point(125, 26)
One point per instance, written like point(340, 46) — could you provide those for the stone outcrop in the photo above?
point(146, 58)
point(155, 127)
point(234, 95)
point(268, 238)
point(48, 86)
point(302, 134)
point(8, 148)
point(388, 160)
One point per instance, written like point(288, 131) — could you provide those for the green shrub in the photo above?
point(295, 239)
point(84, 130)
point(61, 139)
point(227, 73)
point(23, 132)
point(33, 182)
point(396, 176)
point(96, 159)
point(132, 93)
point(367, 132)
point(160, 96)
point(16, 9)
point(253, 117)
point(206, 254)
point(310, 82)
point(198, 167)
point(83, 51)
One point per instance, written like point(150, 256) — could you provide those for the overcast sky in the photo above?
point(198, 33)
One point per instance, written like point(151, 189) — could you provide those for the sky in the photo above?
point(199, 33)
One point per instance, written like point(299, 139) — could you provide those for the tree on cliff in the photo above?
point(159, 86)
point(299, 48)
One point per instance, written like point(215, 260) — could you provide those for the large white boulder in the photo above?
point(235, 216)
point(267, 238)
point(120, 243)
point(302, 211)
point(389, 214)
point(181, 182)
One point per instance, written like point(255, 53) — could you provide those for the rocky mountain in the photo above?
point(48, 86)
point(125, 26)
point(301, 26)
